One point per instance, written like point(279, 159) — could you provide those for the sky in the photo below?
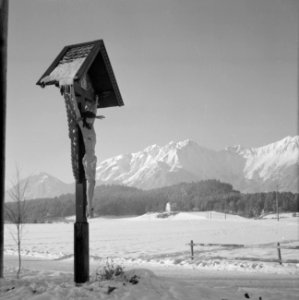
point(219, 72)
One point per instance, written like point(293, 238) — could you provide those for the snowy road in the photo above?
point(269, 286)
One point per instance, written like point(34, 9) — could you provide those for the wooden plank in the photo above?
point(81, 229)
point(85, 43)
point(3, 83)
point(89, 60)
point(111, 75)
point(221, 245)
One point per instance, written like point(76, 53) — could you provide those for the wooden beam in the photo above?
point(3, 73)
point(89, 60)
point(81, 252)
point(111, 75)
point(81, 228)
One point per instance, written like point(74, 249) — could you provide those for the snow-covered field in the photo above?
point(148, 239)
point(154, 243)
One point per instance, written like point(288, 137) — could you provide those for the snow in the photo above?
point(153, 238)
point(265, 160)
point(247, 169)
point(151, 247)
point(49, 285)
point(64, 72)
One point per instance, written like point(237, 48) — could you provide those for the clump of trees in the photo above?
point(205, 195)
point(47, 209)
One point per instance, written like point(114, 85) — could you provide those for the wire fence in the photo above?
point(220, 246)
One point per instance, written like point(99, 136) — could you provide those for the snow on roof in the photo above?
point(64, 72)
point(69, 65)
point(75, 61)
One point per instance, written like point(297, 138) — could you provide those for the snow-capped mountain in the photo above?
point(274, 166)
point(262, 169)
point(41, 185)
point(267, 168)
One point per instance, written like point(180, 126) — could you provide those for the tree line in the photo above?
point(205, 195)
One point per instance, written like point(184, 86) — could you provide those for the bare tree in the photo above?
point(16, 212)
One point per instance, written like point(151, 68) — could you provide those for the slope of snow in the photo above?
point(268, 160)
point(207, 215)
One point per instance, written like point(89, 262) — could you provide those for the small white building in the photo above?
point(168, 207)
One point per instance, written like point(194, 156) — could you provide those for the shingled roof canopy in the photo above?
point(74, 61)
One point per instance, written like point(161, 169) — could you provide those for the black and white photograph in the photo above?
point(150, 149)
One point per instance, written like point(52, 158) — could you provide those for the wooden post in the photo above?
point(81, 229)
point(277, 206)
point(192, 249)
point(3, 72)
point(279, 254)
point(81, 252)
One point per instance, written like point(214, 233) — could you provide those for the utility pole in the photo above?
point(3, 72)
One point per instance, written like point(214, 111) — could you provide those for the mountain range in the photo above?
point(266, 168)
point(262, 169)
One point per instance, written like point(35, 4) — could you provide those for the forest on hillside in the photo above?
point(117, 200)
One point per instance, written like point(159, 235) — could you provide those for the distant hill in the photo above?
point(43, 185)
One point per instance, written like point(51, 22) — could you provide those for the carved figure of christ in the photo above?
point(85, 120)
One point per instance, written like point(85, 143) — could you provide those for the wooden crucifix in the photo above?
point(86, 80)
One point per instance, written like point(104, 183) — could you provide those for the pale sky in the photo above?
point(219, 72)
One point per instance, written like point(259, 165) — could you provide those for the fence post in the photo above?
point(279, 254)
point(192, 249)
